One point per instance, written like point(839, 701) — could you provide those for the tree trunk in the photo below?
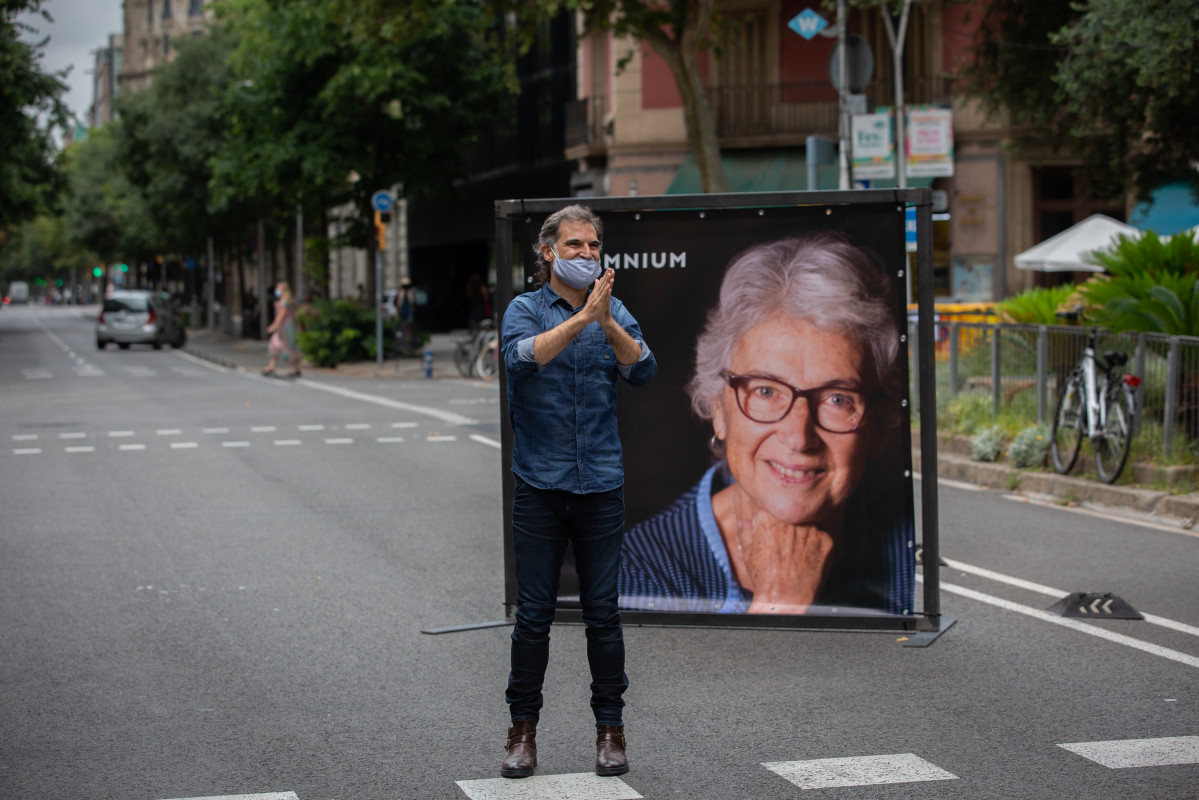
point(681, 55)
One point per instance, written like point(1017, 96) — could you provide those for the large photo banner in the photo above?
point(768, 475)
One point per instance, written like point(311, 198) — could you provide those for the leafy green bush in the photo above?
point(1152, 285)
point(1037, 306)
point(1029, 448)
point(337, 331)
point(987, 444)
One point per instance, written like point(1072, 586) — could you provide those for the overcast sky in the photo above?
point(79, 28)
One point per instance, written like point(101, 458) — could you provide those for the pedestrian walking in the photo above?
point(283, 332)
point(565, 344)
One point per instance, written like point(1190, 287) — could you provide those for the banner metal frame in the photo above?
point(927, 622)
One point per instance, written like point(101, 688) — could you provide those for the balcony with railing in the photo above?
point(585, 125)
point(759, 115)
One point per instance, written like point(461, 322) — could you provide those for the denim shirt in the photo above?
point(563, 414)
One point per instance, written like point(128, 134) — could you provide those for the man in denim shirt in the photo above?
point(564, 348)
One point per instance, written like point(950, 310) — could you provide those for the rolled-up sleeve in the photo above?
point(641, 371)
point(517, 332)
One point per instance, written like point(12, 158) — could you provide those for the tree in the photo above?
point(677, 31)
point(164, 142)
point(29, 181)
point(1114, 82)
point(326, 89)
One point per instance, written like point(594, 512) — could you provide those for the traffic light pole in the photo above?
point(379, 304)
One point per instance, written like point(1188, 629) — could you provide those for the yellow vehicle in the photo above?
point(957, 312)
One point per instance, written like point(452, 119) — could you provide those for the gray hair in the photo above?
point(549, 233)
point(820, 279)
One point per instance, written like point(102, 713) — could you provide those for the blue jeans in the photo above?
point(543, 523)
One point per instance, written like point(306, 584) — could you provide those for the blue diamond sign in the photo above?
point(807, 23)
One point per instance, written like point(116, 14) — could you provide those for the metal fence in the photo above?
point(1020, 367)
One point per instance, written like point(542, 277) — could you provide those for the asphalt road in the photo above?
point(214, 584)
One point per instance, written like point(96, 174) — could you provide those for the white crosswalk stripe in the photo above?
point(1126, 753)
point(828, 773)
point(577, 786)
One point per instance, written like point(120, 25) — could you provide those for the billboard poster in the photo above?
point(929, 133)
point(873, 150)
point(768, 464)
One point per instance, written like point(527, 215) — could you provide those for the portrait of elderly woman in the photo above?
point(798, 369)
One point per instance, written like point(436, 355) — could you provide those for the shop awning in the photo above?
point(770, 171)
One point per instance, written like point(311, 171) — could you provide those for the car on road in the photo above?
point(18, 293)
point(137, 316)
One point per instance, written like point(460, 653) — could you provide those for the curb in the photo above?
point(1183, 508)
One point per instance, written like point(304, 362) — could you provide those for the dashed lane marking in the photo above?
point(358, 426)
point(484, 440)
point(27, 451)
point(287, 442)
point(577, 786)
point(310, 427)
point(214, 430)
point(72, 435)
point(828, 773)
point(389, 439)
point(436, 438)
point(339, 441)
point(132, 447)
point(119, 434)
point(1126, 753)
point(24, 437)
point(169, 432)
point(80, 449)
point(235, 444)
point(184, 445)
point(263, 429)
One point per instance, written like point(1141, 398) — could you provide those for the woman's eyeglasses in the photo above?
point(766, 400)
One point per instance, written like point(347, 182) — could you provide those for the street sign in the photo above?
point(860, 66)
point(381, 201)
point(807, 23)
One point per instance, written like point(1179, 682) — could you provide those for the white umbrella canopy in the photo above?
point(1064, 252)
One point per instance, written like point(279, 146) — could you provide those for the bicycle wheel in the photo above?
point(1067, 425)
point(1115, 440)
point(464, 358)
point(487, 365)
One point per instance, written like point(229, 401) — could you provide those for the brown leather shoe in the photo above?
point(610, 757)
point(522, 750)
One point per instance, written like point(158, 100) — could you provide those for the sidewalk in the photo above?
point(250, 355)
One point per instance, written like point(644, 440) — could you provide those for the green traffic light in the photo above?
point(97, 271)
point(123, 267)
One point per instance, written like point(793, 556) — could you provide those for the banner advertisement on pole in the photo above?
point(873, 145)
point(930, 142)
point(768, 469)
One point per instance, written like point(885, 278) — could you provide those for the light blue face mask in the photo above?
point(577, 273)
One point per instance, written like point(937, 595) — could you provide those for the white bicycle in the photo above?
point(1097, 401)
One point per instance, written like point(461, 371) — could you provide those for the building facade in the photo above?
point(150, 27)
point(772, 89)
point(105, 86)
